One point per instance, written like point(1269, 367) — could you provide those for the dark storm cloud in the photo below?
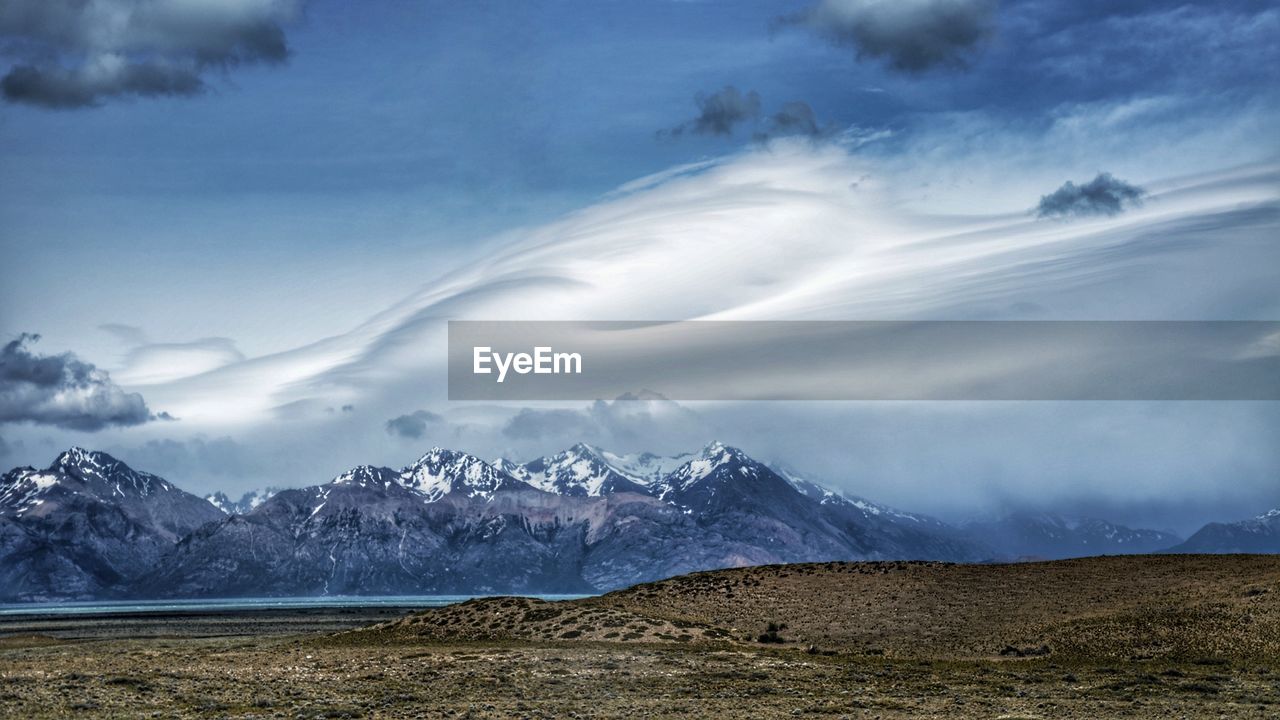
point(795, 119)
point(719, 113)
point(414, 425)
point(63, 391)
point(1103, 195)
point(80, 53)
point(59, 88)
point(722, 113)
point(909, 35)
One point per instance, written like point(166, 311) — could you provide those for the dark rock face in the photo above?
point(1257, 535)
point(1053, 537)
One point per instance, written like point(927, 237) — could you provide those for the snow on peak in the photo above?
point(366, 476)
point(107, 474)
point(247, 502)
point(24, 488)
point(713, 457)
point(220, 500)
point(580, 470)
point(440, 472)
point(645, 469)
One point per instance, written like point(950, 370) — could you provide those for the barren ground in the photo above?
point(1140, 637)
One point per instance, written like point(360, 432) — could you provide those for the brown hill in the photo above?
point(1185, 607)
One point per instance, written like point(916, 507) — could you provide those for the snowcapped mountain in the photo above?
point(80, 476)
point(443, 472)
point(87, 525)
point(646, 469)
point(580, 520)
point(1256, 535)
point(720, 474)
point(582, 470)
point(247, 501)
point(1050, 536)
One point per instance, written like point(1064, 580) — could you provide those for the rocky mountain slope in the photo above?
point(1257, 535)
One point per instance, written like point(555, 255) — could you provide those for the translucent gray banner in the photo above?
point(866, 360)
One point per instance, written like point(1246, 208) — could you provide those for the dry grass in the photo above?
point(1155, 637)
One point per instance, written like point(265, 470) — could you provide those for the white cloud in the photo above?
point(791, 232)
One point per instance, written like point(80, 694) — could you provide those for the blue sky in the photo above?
point(402, 146)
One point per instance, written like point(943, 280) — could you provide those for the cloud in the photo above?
point(160, 362)
point(722, 112)
point(4, 448)
point(128, 334)
point(719, 113)
point(1103, 195)
point(182, 459)
point(635, 420)
point(414, 425)
point(529, 424)
point(909, 35)
point(795, 118)
point(80, 54)
point(63, 391)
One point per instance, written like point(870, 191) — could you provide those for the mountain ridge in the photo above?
point(581, 520)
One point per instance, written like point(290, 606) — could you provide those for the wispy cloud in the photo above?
point(791, 231)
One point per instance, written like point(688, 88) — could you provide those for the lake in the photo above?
point(93, 607)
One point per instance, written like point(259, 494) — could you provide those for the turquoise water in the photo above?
point(239, 604)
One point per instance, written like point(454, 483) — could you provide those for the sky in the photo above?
point(238, 227)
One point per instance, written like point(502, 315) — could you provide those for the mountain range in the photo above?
point(583, 520)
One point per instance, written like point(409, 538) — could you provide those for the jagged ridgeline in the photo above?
point(584, 520)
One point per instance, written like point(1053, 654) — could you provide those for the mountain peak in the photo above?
point(106, 473)
point(714, 459)
point(247, 501)
point(718, 451)
point(365, 475)
point(76, 456)
point(582, 470)
point(440, 472)
point(582, 448)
